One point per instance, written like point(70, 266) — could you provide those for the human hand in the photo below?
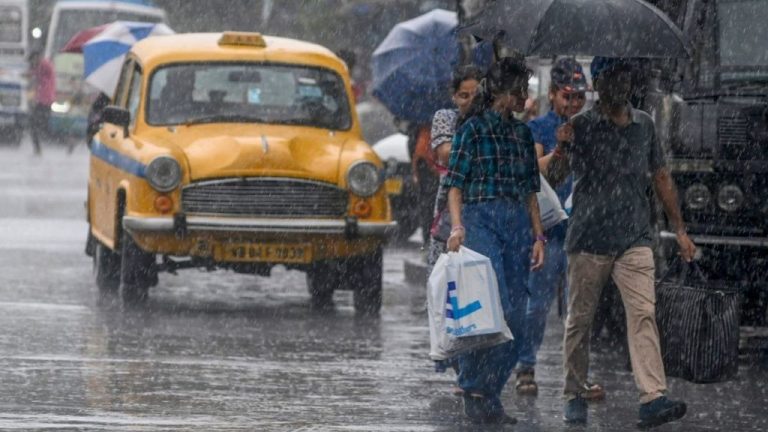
point(537, 255)
point(564, 133)
point(455, 240)
point(687, 247)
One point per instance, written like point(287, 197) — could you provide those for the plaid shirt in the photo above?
point(492, 158)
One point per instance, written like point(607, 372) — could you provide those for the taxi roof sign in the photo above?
point(243, 38)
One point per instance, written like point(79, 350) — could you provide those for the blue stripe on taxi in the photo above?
point(116, 159)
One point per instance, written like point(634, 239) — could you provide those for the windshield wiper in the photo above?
point(225, 118)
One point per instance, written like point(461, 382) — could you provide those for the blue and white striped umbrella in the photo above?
point(105, 52)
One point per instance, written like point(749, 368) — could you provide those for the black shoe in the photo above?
point(501, 419)
point(480, 410)
point(659, 411)
point(575, 411)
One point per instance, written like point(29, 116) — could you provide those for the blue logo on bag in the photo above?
point(455, 312)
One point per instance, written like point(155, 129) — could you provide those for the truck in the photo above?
point(73, 96)
point(14, 22)
point(711, 114)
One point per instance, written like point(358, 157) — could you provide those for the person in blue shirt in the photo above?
point(567, 96)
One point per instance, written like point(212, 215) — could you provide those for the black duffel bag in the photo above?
point(698, 321)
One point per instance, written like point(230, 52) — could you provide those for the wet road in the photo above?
point(221, 351)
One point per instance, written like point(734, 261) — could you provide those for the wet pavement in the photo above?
point(219, 351)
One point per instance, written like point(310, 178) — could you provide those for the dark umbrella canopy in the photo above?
point(412, 66)
point(610, 28)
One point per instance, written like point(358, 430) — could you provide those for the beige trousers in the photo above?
point(633, 273)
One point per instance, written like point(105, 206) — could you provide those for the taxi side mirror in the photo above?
point(117, 116)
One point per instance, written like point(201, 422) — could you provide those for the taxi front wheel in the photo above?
point(364, 275)
point(322, 279)
point(138, 271)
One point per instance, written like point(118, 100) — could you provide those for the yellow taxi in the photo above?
point(236, 151)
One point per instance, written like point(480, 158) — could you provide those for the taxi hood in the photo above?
point(244, 151)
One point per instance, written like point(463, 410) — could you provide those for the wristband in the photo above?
point(542, 238)
point(457, 228)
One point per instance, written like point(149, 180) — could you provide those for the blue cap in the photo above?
point(602, 64)
point(568, 76)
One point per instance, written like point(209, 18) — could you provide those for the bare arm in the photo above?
point(537, 254)
point(533, 212)
point(667, 193)
point(443, 152)
point(557, 166)
point(540, 157)
point(455, 202)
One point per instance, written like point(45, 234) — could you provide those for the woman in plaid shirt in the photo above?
point(493, 178)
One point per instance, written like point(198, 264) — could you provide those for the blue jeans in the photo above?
point(500, 230)
point(542, 290)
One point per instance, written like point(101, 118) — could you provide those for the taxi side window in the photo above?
point(134, 96)
point(122, 83)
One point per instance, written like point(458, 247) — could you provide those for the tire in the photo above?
point(322, 280)
point(364, 274)
point(138, 272)
point(106, 269)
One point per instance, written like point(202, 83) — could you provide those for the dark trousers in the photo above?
point(38, 124)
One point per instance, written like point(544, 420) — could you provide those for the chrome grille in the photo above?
point(267, 197)
point(732, 130)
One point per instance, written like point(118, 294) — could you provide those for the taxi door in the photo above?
point(110, 164)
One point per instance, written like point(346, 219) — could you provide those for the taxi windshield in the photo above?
point(247, 92)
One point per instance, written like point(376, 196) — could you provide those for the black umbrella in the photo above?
point(610, 28)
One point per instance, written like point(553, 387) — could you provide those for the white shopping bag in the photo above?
point(550, 209)
point(568, 207)
point(465, 312)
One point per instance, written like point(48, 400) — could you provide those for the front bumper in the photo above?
point(712, 240)
point(181, 223)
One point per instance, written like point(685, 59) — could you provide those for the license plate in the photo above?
point(266, 252)
point(394, 185)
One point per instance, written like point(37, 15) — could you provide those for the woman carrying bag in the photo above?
point(492, 182)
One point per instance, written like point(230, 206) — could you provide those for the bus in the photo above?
point(73, 96)
point(14, 22)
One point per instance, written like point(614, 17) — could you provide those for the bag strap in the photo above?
point(686, 271)
point(673, 269)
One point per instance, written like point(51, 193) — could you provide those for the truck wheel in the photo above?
point(138, 271)
point(322, 279)
point(106, 269)
point(365, 278)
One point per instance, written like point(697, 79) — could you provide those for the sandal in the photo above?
point(526, 384)
point(457, 391)
point(593, 392)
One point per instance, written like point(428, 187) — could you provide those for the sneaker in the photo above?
point(659, 411)
point(575, 411)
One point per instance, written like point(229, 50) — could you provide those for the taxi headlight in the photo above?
point(163, 173)
point(697, 197)
point(730, 198)
point(363, 179)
